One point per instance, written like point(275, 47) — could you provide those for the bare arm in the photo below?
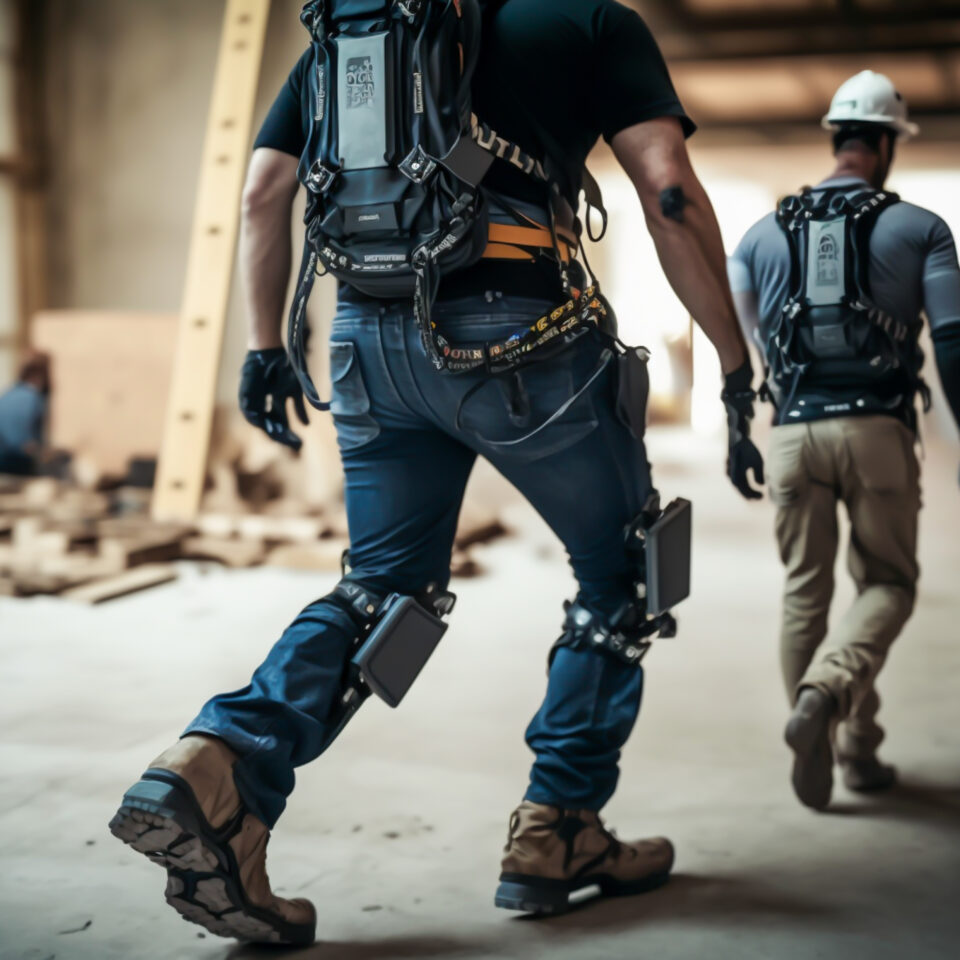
point(686, 233)
point(265, 246)
point(748, 312)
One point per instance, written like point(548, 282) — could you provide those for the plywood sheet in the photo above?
point(111, 377)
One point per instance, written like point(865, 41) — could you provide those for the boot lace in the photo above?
point(512, 830)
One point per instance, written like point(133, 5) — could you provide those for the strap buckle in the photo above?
point(410, 8)
point(311, 16)
point(417, 167)
point(320, 178)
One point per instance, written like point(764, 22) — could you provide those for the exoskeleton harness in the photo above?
point(394, 168)
point(830, 335)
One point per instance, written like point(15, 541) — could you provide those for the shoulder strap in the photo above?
point(591, 189)
point(793, 212)
point(868, 206)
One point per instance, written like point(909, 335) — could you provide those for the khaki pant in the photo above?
point(869, 464)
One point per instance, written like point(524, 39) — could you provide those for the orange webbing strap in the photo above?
point(504, 251)
point(562, 232)
point(506, 242)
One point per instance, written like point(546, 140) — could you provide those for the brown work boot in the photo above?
point(186, 815)
point(556, 859)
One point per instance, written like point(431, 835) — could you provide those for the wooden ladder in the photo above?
point(183, 458)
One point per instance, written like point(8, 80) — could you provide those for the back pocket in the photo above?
point(521, 415)
point(350, 402)
point(881, 449)
point(787, 475)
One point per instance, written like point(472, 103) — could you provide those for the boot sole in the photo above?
point(812, 775)
point(542, 897)
point(870, 786)
point(161, 819)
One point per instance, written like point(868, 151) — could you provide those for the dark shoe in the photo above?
point(808, 736)
point(556, 859)
point(867, 776)
point(185, 814)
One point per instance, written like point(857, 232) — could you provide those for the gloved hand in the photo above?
point(738, 396)
point(267, 381)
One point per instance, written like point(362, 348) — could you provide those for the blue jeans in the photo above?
point(407, 460)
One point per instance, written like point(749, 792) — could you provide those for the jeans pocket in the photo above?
point(350, 402)
point(521, 415)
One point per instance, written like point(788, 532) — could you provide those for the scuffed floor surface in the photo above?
point(396, 832)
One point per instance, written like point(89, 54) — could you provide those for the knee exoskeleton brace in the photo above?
point(395, 638)
point(659, 542)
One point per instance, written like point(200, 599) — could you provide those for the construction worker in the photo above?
point(551, 79)
point(23, 417)
point(831, 288)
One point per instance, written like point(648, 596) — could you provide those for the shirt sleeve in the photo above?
point(739, 271)
point(632, 83)
point(38, 426)
point(946, 343)
point(941, 279)
point(284, 127)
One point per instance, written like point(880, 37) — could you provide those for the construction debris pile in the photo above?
point(96, 541)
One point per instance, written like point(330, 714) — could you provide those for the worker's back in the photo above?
point(912, 269)
point(912, 254)
point(551, 77)
point(555, 77)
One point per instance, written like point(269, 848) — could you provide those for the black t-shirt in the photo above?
point(554, 76)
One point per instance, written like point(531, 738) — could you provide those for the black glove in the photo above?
point(267, 381)
point(738, 396)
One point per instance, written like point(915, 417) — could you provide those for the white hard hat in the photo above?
point(870, 98)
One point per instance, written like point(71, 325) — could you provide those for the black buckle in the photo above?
point(627, 636)
point(417, 167)
point(410, 8)
point(311, 16)
point(320, 178)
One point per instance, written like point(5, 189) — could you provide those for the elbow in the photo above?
point(259, 194)
point(270, 188)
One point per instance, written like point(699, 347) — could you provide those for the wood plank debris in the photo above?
point(323, 556)
point(229, 552)
point(123, 584)
point(59, 538)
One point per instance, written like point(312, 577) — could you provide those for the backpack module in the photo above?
point(393, 171)
point(831, 335)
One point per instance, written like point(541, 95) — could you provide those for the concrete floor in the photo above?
point(396, 832)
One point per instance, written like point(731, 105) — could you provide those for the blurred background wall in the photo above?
point(125, 94)
point(128, 98)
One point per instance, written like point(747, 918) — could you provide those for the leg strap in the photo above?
point(658, 543)
point(627, 635)
point(395, 638)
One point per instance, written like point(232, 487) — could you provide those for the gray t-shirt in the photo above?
point(913, 264)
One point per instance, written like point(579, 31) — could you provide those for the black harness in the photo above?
point(830, 337)
point(394, 227)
